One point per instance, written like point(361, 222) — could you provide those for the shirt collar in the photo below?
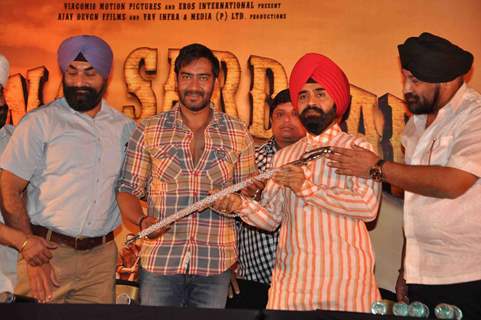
point(103, 110)
point(324, 138)
point(271, 146)
point(451, 107)
point(176, 117)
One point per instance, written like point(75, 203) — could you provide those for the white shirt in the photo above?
point(8, 256)
point(443, 236)
point(72, 162)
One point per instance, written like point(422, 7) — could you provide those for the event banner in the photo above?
point(257, 43)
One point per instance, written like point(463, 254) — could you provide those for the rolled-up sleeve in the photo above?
point(137, 165)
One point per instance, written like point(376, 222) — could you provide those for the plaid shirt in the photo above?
point(159, 166)
point(257, 248)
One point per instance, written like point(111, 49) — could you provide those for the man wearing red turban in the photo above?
point(324, 258)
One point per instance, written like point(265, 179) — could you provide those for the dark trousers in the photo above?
point(253, 295)
point(466, 296)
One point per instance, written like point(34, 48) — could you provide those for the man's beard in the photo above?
point(83, 99)
point(420, 105)
point(3, 115)
point(315, 120)
point(203, 103)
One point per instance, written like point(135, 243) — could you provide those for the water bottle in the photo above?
point(418, 310)
point(447, 311)
point(380, 307)
point(400, 309)
point(124, 298)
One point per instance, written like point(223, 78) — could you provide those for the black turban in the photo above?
point(433, 59)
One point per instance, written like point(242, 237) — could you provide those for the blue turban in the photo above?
point(95, 50)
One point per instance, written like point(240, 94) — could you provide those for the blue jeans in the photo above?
point(184, 290)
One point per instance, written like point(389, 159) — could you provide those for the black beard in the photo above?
point(317, 120)
point(416, 105)
point(83, 101)
point(194, 107)
point(3, 115)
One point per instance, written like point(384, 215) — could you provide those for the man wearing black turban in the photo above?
point(442, 219)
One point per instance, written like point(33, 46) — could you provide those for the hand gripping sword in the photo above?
point(207, 201)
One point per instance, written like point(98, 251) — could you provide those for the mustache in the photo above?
point(313, 107)
point(411, 97)
point(194, 92)
point(77, 90)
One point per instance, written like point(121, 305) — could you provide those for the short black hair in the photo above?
point(193, 52)
point(280, 98)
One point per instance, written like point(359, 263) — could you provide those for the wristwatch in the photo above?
point(375, 173)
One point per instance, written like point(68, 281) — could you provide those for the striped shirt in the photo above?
point(159, 166)
point(324, 258)
point(257, 248)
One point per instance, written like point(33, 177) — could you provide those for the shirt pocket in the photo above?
point(440, 150)
point(166, 163)
point(220, 167)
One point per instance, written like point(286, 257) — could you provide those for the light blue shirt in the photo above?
point(8, 256)
point(72, 162)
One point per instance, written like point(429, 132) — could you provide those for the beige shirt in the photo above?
point(443, 236)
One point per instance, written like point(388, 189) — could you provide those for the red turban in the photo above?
point(325, 72)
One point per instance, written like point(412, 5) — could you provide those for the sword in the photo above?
point(207, 201)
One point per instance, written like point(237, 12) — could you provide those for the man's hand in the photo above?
point(254, 190)
point(36, 250)
point(352, 162)
point(147, 222)
point(234, 286)
point(227, 204)
point(42, 280)
point(290, 176)
point(401, 288)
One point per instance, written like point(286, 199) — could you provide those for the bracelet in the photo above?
point(140, 221)
point(24, 244)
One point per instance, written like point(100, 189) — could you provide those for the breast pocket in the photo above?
point(440, 150)
point(166, 163)
point(220, 167)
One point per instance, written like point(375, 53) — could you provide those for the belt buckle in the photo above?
point(76, 243)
